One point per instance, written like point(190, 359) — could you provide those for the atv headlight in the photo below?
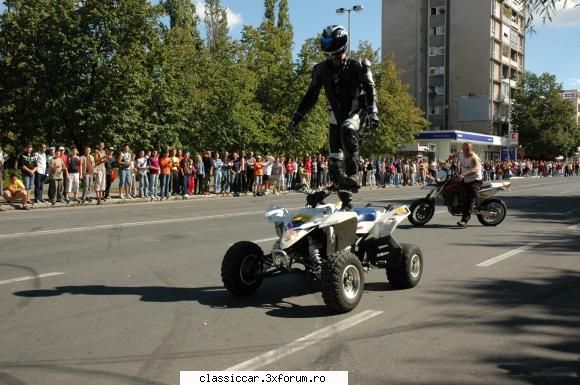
point(289, 235)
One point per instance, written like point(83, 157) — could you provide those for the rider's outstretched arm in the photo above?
point(309, 100)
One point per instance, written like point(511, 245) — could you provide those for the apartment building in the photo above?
point(461, 58)
point(573, 96)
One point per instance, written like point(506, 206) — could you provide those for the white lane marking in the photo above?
point(531, 187)
point(304, 342)
point(504, 256)
point(266, 240)
point(574, 227)
point(30, 277)
point(440, 212)
point(2, 218)
point(130, 224)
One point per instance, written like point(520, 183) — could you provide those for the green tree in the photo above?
point(75, 73)
point(400, 118)
point(177, 59)
point(230, 114)
point(267, 52)
point(216, 25)
point(545, 122)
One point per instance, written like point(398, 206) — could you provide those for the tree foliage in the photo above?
point(400, 118)
point(78, 72)
point(545, 122)
point(545, 9)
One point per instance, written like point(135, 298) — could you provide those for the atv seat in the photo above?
point(365, 214)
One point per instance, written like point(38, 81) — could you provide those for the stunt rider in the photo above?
point(471, 175)
point(350, 89)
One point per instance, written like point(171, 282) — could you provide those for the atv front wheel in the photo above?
point(242, 268)
point(342, 281)
point(408, 274)
point(422, 210)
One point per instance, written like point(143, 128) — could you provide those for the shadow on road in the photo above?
point(542, 315)
point(273, 295)
point(555, 209)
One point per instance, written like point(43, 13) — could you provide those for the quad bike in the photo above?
point(335, 246)
point(490, 211)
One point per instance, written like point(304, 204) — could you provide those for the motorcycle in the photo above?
point(490, 211)
point(336, 247)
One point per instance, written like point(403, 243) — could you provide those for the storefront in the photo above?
point(443, 143)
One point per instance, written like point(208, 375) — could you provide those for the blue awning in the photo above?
point(460, 136)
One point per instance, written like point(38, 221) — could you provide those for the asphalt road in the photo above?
point(139, 297)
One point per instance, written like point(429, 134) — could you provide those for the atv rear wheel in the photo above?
point(408, 274)
point(242, 268)
point(422, 210)
point(342, 281)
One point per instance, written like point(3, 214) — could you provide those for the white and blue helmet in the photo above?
point(334, 40)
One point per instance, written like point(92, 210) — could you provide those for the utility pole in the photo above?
point(341, 11)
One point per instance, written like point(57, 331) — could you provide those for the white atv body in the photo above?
point(335, 246)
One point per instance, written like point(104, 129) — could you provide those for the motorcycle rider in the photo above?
point(350, 89)
point(471, 175)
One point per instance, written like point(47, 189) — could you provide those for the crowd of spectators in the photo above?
point(155, 175)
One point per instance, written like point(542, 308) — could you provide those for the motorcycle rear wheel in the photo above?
point(496, 212)
point(422, 210)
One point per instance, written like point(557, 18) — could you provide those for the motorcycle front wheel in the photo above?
point(422, 210)
point(492, 212)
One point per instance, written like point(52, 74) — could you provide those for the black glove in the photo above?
point(373, 119)
point(293, 125)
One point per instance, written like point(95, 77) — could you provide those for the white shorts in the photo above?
point(100, 181)
point(73, 183)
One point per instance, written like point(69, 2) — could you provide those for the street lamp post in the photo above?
point(509, 125)
point(341, 11)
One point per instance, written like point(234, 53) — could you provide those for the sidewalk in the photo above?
point(4, 206)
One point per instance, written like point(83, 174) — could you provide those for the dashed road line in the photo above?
point(504, 256)
point(304, 342)
point(30, 277)
point(124, 225)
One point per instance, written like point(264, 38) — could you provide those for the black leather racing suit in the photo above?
point(349, 89)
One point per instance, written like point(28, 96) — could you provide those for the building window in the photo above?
point(437, 11)
point(505, 90)
point(438, 110)
point(437, 70)
point(438, 31)
point(514, 37)
point(436, 51)
point(506, 32)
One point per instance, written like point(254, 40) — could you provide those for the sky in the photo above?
point(554, 48)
